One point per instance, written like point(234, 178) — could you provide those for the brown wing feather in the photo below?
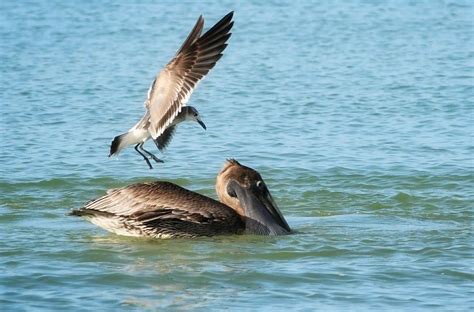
point(193, 35)
point(164, 208)
point(176, 82)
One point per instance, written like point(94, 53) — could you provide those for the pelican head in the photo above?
point(243, 189)
point(192, 114)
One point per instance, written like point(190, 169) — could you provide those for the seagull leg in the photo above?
point(152, 156)
point(144, 157)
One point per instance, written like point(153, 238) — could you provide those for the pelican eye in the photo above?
point(231, 192)
point(260, 184)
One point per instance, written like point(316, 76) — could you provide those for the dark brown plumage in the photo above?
point(163, 210)
point(166, 210)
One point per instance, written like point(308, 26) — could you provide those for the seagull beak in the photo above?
point(201, 123)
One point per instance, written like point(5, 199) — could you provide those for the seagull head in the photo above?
point(192, 114)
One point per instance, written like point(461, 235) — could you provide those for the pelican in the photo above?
point(172, 88)
point(165, 210)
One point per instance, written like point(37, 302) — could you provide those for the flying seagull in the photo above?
point(170, 91)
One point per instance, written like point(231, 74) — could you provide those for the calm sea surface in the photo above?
point(358, 114)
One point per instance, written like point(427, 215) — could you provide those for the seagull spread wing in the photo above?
point(174, 85)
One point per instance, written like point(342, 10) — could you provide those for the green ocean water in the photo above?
point(358, 114)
